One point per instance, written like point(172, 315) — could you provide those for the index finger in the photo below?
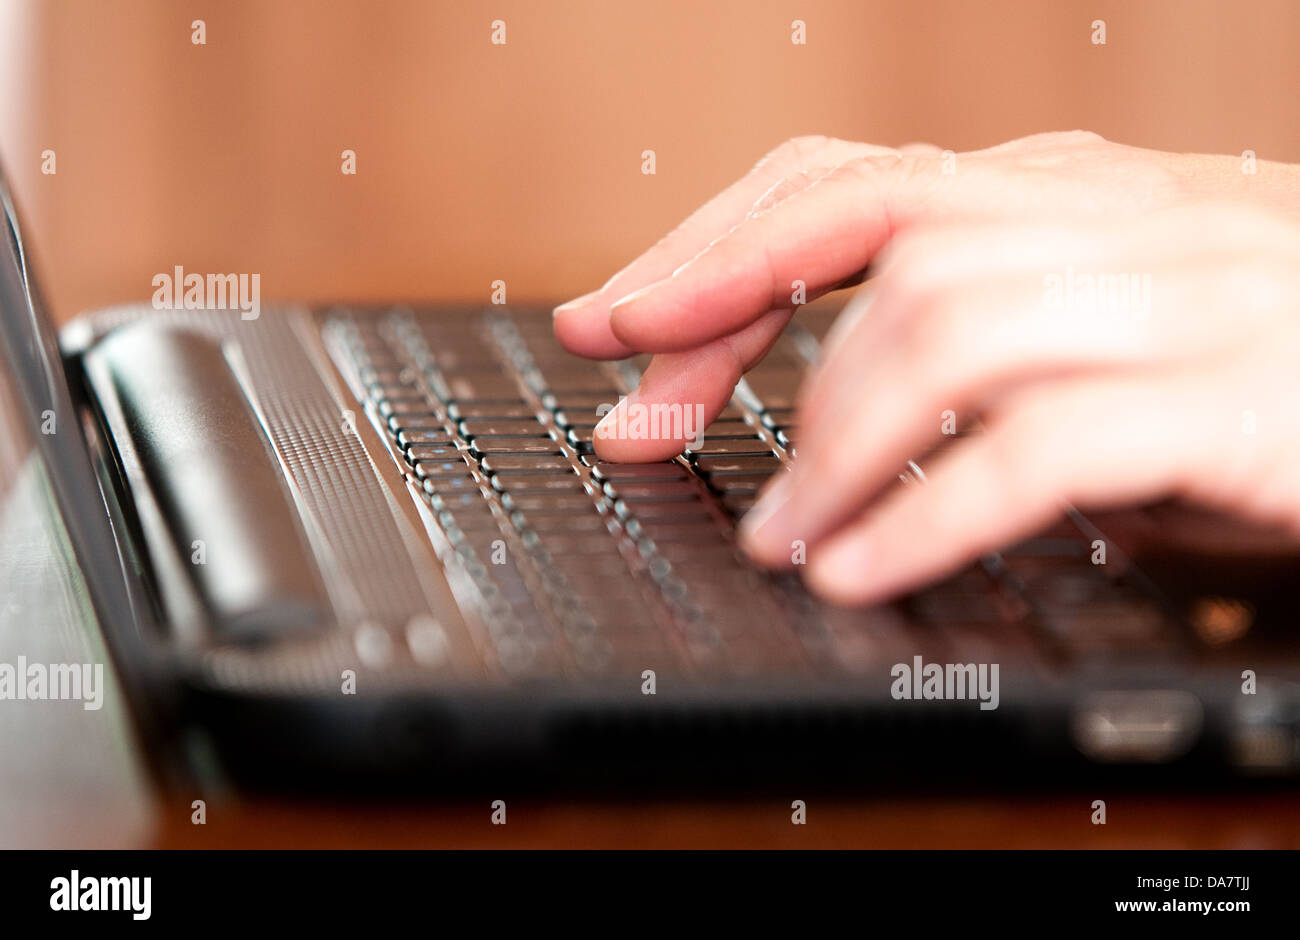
point(810, 243)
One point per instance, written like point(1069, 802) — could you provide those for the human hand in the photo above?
point(1096, 404)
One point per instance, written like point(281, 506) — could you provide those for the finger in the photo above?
point(846, 324)
point(1095, 443)
point(582, 325)
point(689, 389)
point(939, 344)
point(922, 269)
point(810, 242)
point(980, 344)
point(955, 350)
point(692, 379)
point(1147, 288)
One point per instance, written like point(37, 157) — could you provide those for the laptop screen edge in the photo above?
point(30, 347)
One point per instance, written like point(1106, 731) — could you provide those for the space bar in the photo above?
point(210, 468)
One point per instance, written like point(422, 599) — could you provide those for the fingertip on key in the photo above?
point(615, 440)
point(765, 533)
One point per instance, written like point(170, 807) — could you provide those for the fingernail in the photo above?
point(582, 301)
point(608, 425)
point(632, 298)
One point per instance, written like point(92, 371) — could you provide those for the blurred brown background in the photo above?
point(523, 162)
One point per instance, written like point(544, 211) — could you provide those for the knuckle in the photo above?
point(782, 190)
point(1064, 139)
point(913, 313)
point(909, 288)
point(872, 167)
point(914, 166)
point(1018, 453)
point(910, 255)
point(796, 151)
point(879, 175)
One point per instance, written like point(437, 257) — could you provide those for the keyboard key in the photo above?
point(748, 446)
point(444, 450)
point(525, 463)
point(416, 422)
point(517, 483)
point(728, 483)
point(638, 472)
point(482, 386)
point(567, 522)
point(576, 405)
point(661, 531)
point(560, 544)
point(403, 409)
point(440, 467)
point(634, 491)
point(503, 444)
point(746, 463)
point(446, 480)
point(739, 502)
point(727, 430)
point(519, 501)
point(474, 427)
point(512, 410)
point(432, 437)
point(682, 511)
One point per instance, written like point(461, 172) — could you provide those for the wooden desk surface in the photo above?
point(1149, 820)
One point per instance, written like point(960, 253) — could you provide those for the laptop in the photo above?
point(373, 546)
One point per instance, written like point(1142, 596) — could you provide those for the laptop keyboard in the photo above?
point(577, 566)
